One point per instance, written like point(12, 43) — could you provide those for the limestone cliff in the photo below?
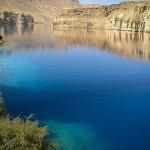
point(129, 16)
point(43, 11)
point(13, 18)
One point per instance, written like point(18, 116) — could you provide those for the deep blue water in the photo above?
point(102, 94)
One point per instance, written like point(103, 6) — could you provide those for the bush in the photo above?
point(3, 111)
point(18, 134)
point(22, 134)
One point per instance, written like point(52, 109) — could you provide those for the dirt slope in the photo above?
point(41, 10)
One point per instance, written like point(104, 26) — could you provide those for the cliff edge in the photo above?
point(129, 16)
point(14, 18)
point(43, 11)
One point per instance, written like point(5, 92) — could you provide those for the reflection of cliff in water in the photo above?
point(42, 37)
point(9, 29)
point(28, 37)
point(126, 44)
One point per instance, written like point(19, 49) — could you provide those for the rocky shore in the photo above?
point(128, 16)
point(14, 18)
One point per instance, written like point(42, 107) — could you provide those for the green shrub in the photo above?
point(18, 134)
point(22, 134)
point(3, 111)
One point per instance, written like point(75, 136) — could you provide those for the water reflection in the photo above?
point(126, 44)
point(26, 28)
point(27, 37)
point(33, 37)
point(9, 29)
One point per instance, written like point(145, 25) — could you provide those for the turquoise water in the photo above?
point(91, 87)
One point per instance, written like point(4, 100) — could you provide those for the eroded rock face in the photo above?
point(25, 19)
point(43, 11)
point(13, 18)
point(7, 17)
point(129, 16)
point(123, 24)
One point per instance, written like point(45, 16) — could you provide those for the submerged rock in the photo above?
point(76, 136)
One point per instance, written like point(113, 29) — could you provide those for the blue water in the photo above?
point(85, 94)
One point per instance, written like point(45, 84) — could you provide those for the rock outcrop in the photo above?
point(129, 16)
point(13, 18)
point(43, 11)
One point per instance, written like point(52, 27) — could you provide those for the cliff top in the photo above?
point(41, 10)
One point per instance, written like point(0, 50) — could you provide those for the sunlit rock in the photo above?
point(13, 18)
point(128, 16)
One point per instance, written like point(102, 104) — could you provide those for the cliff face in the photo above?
point(130, 16)
point(41, 10)
point(13, 18)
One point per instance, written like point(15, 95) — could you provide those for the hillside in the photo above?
point(130, 16)
point(41, 10)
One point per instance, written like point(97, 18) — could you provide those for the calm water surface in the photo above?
point(92, 87)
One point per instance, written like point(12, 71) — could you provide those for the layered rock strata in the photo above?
point(43, 11)
point(129, 16)
point(13, 18)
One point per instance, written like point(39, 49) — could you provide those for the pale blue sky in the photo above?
point(100, 1)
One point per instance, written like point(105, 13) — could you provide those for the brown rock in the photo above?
point(13, 18)
point(129, 16)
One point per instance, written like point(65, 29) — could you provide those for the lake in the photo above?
point(91, 87)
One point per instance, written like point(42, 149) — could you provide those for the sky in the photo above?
point(102, 1)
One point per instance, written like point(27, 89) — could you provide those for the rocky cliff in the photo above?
point(43, 11)
point(14, 18)
point(129, 16)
